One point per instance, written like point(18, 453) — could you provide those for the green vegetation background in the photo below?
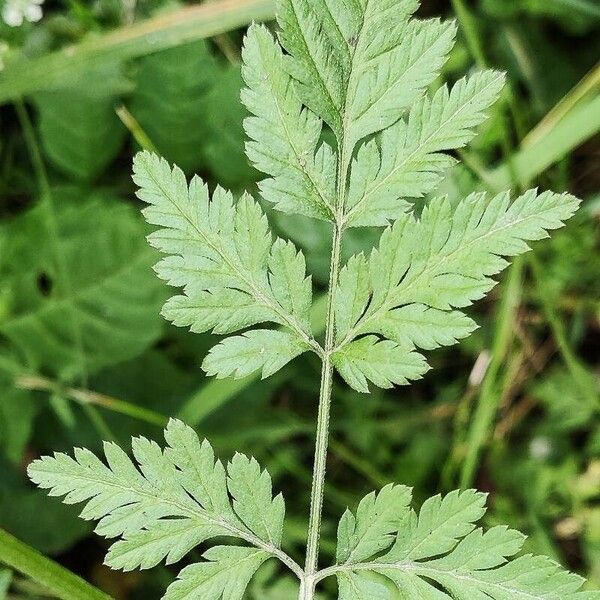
point(85, 355)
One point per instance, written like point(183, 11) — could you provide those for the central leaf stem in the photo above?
point(307, 587)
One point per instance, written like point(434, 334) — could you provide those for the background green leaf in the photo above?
point(108, 314)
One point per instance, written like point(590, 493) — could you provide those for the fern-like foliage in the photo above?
point(283, 135)
point(406, 290)
point(439, 553)
point(171, 501)
point(233, 274)
point(408, 159)
point(357, 69)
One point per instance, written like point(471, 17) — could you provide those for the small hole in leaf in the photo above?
point(44, 284)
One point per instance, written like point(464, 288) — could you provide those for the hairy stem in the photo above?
point(307, 589)
point(316, 507)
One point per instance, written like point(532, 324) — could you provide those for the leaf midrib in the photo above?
point(421, 148)
point(360, 326)
point(289, 320)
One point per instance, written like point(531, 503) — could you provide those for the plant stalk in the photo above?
point(89, 398)
point(307, 586)
point(307, 589)
point(23, 77)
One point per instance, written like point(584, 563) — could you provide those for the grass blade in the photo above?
point(586, 88)
point(56, 579)
point(576, 127)
point(22, 77)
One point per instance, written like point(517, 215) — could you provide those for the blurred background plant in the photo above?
point(85, 355)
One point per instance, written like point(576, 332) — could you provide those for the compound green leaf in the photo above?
point(318, 54)
point(354, 290)
point(362, 585)
point(359, 65)
point(440, 523)
point(423, 269)
point(168, 503)
point(439, 555)
point(259, 349)
point(407, 160)
point(372, 529)
point(392, 65)
point(225, 575)
point(233, 275)
point(253, 498)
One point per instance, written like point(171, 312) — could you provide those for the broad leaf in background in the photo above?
point(17, 411)
point(78, 127)
point(169, 503)
point(170, 101)
point(105, 311)
point(55, 528)
point(223, 148)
